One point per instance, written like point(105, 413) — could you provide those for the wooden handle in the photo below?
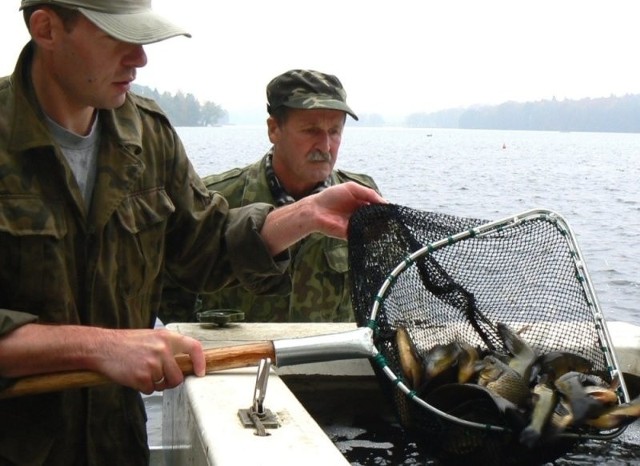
point(230, 357)
point(217, 359)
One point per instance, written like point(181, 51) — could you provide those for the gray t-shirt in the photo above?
point(81, 152)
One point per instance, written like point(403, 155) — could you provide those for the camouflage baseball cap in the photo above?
point(131, 21)
point(307, 89)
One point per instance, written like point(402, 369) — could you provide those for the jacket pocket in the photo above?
point(32, 237)
point(31, 216)
point(337, 256)
point(143, 217)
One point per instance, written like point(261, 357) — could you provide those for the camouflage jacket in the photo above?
point(318, 269)
point(64, 264)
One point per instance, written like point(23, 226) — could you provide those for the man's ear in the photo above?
point(273, 130)
point(44, 24)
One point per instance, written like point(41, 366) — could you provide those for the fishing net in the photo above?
point(446, 278)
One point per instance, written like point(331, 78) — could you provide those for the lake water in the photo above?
point(591, 179)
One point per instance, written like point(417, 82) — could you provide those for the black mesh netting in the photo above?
point(523, 275)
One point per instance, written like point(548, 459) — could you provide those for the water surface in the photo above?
point(591, 179)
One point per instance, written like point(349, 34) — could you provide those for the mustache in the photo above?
point(319, 156)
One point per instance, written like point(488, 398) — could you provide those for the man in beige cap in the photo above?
point(97, 198)
point(307, 116)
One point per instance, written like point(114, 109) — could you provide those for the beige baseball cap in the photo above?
point(131, 21)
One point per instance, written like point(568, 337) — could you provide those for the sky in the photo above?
point(393, 58)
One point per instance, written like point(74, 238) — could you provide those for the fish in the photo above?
point(467, 360)
point(604, 393)
point(582, 406)
point(537, 395)
point(503, 380)
point(560, 421)
point(545, 399)
point(410, 361)
point(523, 355)
point(439, 359)
point(617, 416)
point(475, 403)
point(557, 363)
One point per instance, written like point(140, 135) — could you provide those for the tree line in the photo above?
point(184, 109)
point(608, 114)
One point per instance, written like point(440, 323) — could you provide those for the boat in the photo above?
point(204, 420)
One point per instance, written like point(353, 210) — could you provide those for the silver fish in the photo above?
point(545, 399)
point(523, 355)
point(439, 359)
point(557, 363)
point(582, 406)
point(503, 381)
point(467, 360)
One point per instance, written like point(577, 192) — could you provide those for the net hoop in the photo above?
point(582, 275)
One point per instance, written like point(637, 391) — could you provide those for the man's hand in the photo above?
point(145, 359)
point(335, 205)
point(327, 212)
point(142, 359)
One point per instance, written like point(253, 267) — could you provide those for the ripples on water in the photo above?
point(591, 179)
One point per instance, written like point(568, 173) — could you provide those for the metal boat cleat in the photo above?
point(257, 416)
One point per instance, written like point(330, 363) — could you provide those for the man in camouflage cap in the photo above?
point(307, 113)
point(97, 199)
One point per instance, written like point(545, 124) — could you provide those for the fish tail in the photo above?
point(529, 436)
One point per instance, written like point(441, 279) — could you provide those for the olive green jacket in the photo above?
point(319, 268)
point(63, 264)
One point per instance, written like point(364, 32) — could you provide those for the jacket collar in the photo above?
point(29, 131)
point(280, 195)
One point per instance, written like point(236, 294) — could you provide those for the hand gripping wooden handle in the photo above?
point(217, 359)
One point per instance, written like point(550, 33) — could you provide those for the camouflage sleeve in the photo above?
point(181, 305)
point(252, 262)
point(210, 246)
point(11, 320)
